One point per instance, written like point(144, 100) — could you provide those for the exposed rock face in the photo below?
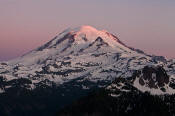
point(159, 58)
point(154, 77)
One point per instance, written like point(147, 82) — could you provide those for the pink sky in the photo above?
point(26, 24)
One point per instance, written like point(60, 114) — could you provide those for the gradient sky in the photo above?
point(145, 24)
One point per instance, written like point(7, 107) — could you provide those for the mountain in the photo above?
point(74, 63)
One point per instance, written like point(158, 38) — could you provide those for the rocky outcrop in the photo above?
point(153, 77)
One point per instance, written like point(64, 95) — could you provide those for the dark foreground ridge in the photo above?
point(128, 104)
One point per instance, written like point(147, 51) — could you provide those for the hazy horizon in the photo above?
point(146, 25)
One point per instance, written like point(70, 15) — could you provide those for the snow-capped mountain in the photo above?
point(80, 52)
point(74, 63)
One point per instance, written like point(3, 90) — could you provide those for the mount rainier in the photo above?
point(76, 62)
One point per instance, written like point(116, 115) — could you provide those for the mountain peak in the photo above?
point(80, 29)
point(86, 28)
point(90, 34)
point(81, 40)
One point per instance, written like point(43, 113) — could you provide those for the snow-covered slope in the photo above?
point(82, 52)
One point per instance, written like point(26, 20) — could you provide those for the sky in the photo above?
point(148, 25)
